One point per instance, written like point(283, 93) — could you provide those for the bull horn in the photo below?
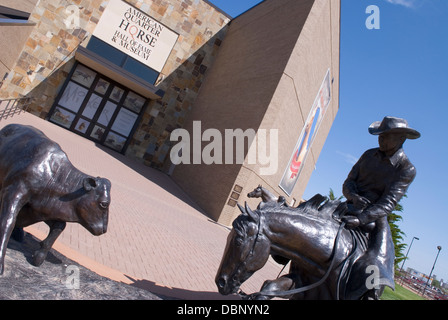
point(251, 214)
point(89, 183)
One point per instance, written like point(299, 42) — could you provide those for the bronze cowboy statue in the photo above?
point(334, 247)
point(373, 188)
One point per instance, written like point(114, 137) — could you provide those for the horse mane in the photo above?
point(318, 205)
point(239, 224)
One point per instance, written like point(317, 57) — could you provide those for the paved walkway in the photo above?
point(157, 238)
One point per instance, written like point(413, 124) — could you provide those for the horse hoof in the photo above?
point(39, 257)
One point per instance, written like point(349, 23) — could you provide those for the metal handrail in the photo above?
point(10, 107)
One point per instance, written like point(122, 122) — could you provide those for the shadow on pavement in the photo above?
point(168, 293)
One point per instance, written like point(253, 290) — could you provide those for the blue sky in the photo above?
point(399, 70)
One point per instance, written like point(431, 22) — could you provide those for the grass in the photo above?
point(400, 293)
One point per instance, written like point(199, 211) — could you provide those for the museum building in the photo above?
point(255, 94)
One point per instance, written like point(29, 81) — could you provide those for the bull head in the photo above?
point(93, 206)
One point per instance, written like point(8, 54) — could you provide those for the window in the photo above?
point(107, 51)
point(97, 108)
point(122, 60)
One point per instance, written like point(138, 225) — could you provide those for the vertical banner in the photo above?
point(306, 138)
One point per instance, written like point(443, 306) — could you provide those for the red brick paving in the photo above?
point(157, 237)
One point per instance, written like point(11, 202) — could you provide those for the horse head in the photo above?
point(247, 251)
point(256, 193)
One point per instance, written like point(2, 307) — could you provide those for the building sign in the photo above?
point(138, 35)
point(306, 138)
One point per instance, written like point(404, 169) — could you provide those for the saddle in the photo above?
point(346, 208)
point(354, 277)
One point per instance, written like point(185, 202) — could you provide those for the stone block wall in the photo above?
point(64, 25)
point(201, 29)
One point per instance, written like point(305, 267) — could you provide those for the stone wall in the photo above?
point(48, 56)
point(201, 30)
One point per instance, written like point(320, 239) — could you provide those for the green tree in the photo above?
point(397, 235)
point(435, 283)
point(331, 195)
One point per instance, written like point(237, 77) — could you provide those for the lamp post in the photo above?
point(408, 253)
point(424, 289)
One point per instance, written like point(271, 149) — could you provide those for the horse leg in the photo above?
point(284, 283)
point(56, 228)
point(373, 294)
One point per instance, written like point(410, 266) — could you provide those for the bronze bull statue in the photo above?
point(39, 183)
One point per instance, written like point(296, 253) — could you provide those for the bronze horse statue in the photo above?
point(265, 195)
point(322, 252)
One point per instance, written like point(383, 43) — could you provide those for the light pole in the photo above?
point(408, 253)
point(424, 289)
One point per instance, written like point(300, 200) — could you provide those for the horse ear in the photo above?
point(241, 208)
point(255, 217)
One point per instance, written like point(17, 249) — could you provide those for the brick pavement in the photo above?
point(157, 238)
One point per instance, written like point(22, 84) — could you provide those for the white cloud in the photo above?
point(406, 3)
point(350, 159)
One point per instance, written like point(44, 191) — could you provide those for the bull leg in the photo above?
point(56, 228)
point(18, 234)
point(12, 201)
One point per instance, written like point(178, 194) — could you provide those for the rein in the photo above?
point(305, 288)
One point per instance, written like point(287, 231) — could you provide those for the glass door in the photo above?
point(97, 108)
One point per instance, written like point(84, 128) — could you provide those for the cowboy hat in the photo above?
point(392, 124)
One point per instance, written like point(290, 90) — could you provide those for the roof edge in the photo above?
point(218, 9)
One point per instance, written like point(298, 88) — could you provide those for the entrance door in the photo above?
point(98, 108)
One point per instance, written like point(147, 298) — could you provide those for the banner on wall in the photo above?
point(133, 32)
point(306, 138)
